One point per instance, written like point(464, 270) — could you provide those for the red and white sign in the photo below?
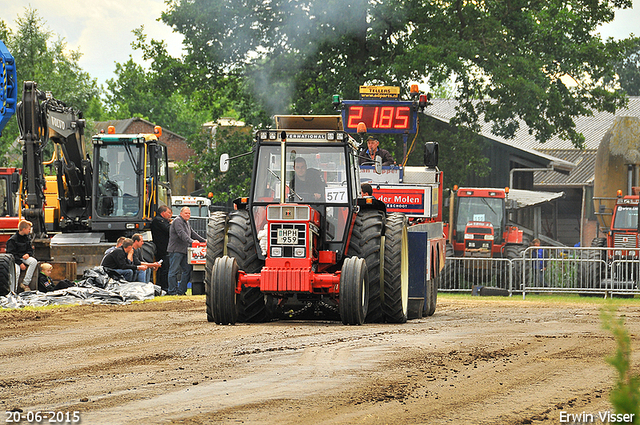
point(413, 201)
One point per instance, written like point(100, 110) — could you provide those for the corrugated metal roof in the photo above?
point(581, 175)
point(529, 198)
point(593, 128)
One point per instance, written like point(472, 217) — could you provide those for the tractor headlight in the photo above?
point(468, 236)
point(298, 252)
point(488, 237)
point(276, 251)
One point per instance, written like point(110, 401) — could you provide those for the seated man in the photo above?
point(309, 183)
point(19, 245)
point(369, 156)
point(118, 260)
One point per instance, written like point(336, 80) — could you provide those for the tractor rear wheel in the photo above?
point(215, 249)
point(396, 269)
point(222, 300)
point(7, 274)
point(366, 243)
point(240, 245)
point(354, 297)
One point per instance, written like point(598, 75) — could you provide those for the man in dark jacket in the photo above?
point(181, 236)
point(369, 156)
point(160, 226)
point(118, 260)
point(19, 245)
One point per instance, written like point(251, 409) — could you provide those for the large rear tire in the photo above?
point(354, 297)
point(222, 300)
point(7, 274)
point(241, 246)
point(215, 249)
point(366, 243)
point(396, 269)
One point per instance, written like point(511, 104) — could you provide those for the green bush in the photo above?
point(625, 395)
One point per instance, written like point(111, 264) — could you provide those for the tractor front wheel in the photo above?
point(215, 249)
point(221, 300)
point(354, 293)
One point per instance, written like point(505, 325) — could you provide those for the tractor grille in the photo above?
point(624, 240)
point(288, 240)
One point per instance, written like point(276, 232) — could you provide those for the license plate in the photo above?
point(287, 237)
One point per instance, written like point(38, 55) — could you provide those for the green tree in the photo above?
point(154, 95)
point(628, 69)
point(297, 53)
point(41, 58)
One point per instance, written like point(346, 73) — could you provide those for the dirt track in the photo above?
point(476, 361)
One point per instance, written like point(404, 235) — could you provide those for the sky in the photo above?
point(101, 29)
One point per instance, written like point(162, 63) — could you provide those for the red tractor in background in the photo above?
point(478, 228)
point(621, 236)
point(9, 182)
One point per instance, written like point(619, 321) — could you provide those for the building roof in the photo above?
point(593, 128)
point(122, 126)
point(581, 175)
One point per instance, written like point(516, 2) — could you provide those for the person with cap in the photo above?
point(373, 150)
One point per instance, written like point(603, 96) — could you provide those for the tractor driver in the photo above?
point(308, 183)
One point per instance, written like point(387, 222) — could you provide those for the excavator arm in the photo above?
point(40, 118)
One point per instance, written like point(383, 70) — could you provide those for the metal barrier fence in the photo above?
point(586, 271)
point(199, 225)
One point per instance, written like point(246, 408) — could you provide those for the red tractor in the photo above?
point(9, 182)
point(305, 243)
point(478, 228)
point(621, 236)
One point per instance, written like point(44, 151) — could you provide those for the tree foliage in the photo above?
point(295, 53)
point(152, 94)
point(46, 60)
point(628, 69)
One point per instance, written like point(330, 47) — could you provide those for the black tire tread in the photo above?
point(223, 296)
point(352, 310)
point(240, 245)
point(7, 274)
point(392, 305)
point(366, 243)
point(216, 227)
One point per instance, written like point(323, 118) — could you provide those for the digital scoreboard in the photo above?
point(380, 116)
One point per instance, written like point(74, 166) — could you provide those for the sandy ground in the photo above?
point(476, 361)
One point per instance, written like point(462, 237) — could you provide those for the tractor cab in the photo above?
point(309, 210)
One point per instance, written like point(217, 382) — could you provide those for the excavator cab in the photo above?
point(129, 172)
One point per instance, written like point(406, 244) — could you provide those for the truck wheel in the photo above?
point(450, 275)
point(7, 274)
point(354, 297)
point(148, 251)
point(215, 249)
point(222, 300)
point(366, 243)
point(396, 269)
point(590, 271)
point(431, 297)
point(240, 245)
point(514, 254)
